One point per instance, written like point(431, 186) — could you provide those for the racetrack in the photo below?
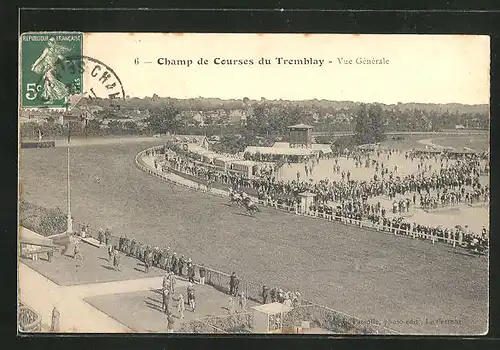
point(363, 273)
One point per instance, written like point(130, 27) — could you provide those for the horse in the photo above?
point(250, 206)
point(234, 199)
point(477, 246)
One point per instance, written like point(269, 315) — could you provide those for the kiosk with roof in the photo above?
point(300, 135)
point(268, 318)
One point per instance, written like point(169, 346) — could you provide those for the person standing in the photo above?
point(116, 260)
point(174, 268)
point(273, 294)
point(232, 283)
point(110, 254)
point(76, 251)
point(173, 282)
point(182, 263)
point(120, 243)
point(230, 306)
point(165, 303)
point(236, 285)
point(107, 236)
point(54, 327)
point(203, 272)
point(190, 268)
point(287, 301)
point(166, 281)
point(181, 307)
point(148, 261)
point(265, 294)
point(170, 323)
point(191, 297)
point(243, 302)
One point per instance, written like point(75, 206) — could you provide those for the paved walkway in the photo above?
point(41, 294)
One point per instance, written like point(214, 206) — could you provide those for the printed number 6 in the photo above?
point(136, 60)
point(32, 88)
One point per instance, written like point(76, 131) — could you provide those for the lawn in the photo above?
point(477, 143)
point(363, 273)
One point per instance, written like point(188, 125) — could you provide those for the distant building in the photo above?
point(300, 135)
point(236, 116)
point(200, 118)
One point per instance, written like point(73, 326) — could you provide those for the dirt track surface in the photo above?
point(411, 285)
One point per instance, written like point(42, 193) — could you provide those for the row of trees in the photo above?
point(370, 126)
point(29, 131)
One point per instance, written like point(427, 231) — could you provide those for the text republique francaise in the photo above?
point(282, 61)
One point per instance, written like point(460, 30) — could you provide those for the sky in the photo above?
point(420, 68)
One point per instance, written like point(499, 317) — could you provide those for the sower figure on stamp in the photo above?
point(45, 65)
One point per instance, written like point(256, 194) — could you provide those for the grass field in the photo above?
point(363, 273)
point(477, 143)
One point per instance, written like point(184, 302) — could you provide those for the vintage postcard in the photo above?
point(253, 183)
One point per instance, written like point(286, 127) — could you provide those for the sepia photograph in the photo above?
point(329, 184)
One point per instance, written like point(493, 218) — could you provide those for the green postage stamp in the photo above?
point(48, 75)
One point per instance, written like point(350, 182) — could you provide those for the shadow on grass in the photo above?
point(154, 300)
point(154, 307)
point(465, 254)
point(109, 267)
point(220, 289)
point(244, 214)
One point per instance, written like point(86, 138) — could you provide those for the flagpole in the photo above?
point(70, 220)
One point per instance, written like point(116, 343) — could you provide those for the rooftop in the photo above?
point(272, 308)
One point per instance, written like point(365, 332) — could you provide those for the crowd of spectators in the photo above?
point(441, 179)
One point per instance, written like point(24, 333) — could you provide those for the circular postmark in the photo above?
point(83, 75)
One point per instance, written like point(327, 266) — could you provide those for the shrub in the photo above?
point(46, 222)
